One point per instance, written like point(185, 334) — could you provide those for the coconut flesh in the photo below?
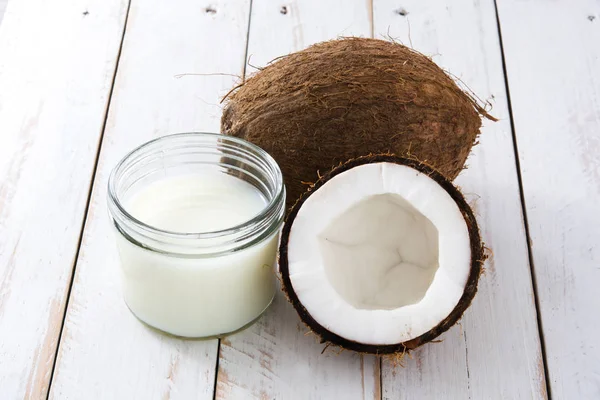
point(381, 256)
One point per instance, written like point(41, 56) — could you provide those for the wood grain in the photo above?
point(276, 358)
point(105, 352)
point(54, 89)
point(553, 64)
point(495, 350)
point(3, 4)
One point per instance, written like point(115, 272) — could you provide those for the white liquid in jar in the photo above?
point(197, 296)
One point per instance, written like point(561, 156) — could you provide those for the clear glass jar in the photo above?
point(210, 282)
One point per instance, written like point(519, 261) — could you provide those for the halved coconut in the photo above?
point(382, 255)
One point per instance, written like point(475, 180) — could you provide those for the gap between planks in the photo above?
point(216, 382)
point(89, 198)
point(523, 208)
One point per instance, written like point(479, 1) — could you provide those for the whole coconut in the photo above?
point(346, 98)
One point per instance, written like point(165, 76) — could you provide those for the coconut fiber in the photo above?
point(350, 97)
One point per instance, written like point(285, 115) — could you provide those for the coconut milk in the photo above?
point(191, 296)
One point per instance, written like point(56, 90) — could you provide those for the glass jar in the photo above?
point(197, 219)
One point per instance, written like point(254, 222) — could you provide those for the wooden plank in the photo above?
point(105, 352)
point(278, 29)
point(54, 88)
point(552, 57)
point(275, 359)
point(3, 4)
point(495, 352)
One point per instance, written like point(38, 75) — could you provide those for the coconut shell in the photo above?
point(477, 259)
point(351, 97)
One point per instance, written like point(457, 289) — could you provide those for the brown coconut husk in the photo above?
point(477, 258)
point(350, 97)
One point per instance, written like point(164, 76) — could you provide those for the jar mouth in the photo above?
point(235, 149)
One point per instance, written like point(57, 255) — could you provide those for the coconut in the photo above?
point(381, 255)
point(350, 97)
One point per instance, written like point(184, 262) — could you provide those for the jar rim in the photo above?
point(271, 208)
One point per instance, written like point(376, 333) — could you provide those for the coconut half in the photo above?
point(382, 255)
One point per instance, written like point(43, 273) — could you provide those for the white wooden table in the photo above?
point(82, 82)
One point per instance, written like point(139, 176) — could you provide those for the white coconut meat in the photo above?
point(379, 254)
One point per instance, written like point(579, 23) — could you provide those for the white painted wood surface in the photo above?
point(56, 71)
point(277, 29)
point(552, 52)
point(495, 352)
point(105, 353)
point(57, 62)
point(275, 359)
point(3, 4)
